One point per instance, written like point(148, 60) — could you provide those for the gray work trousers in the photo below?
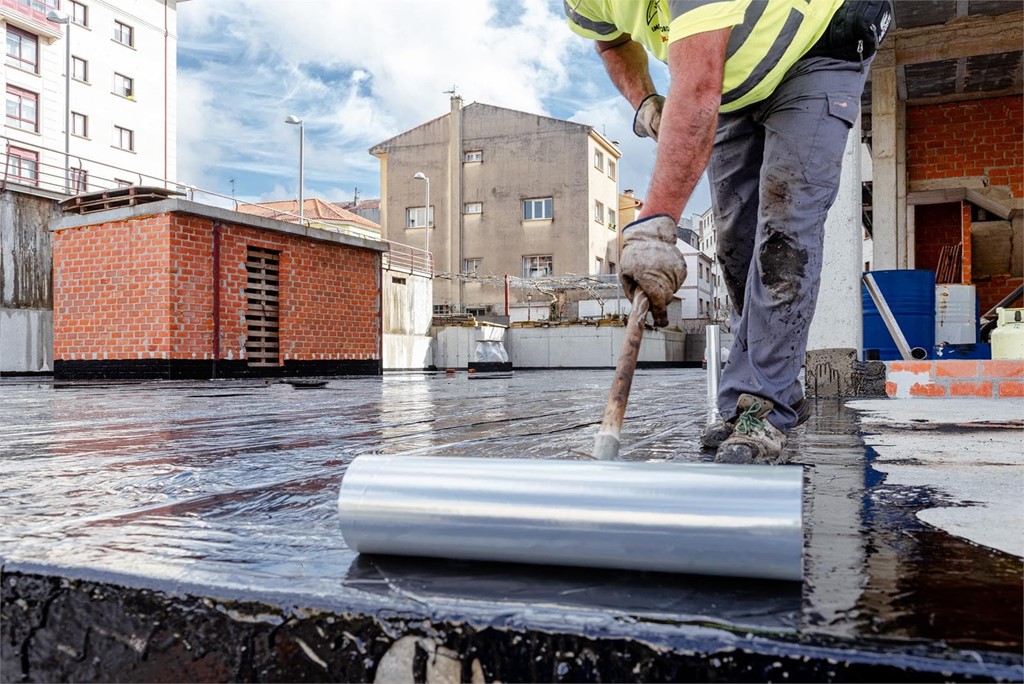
point(774, 174)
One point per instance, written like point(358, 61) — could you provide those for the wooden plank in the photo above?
point(964, 37)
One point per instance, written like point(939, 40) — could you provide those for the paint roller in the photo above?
point(697, 518)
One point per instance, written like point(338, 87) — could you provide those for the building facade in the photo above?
point(510, 194)
point(116, 114)
point(719, 295)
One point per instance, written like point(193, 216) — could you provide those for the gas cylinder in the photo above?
point(1008, 337)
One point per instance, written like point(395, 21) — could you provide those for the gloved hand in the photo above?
point(651, 262)
point(647, 120)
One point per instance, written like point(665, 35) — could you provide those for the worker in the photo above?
point(762, 93)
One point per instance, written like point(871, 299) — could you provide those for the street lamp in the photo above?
point(426, 212)
point(62, 18)
point(292, 119)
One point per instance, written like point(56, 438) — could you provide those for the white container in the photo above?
point(1008, 337)
point(955, 317)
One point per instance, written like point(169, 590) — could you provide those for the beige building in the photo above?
point(511, 193)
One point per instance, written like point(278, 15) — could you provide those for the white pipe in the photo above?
point(698, 518)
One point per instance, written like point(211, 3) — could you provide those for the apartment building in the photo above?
point(719, 299)
point(116, 114)
point(510, 193)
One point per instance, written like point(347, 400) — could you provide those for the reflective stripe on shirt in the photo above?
point(767, 36)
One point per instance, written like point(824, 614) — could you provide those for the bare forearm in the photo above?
point(688, 122)
point(626, 64)
point(685, 140)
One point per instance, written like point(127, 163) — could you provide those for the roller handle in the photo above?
point(606, 443)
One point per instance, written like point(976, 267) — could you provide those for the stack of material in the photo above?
point(948, 270)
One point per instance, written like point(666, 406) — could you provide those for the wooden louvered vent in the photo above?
point(262, 299)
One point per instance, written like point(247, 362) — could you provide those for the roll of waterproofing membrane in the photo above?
point(697, 518)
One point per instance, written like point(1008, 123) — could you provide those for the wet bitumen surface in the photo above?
point(179, 531)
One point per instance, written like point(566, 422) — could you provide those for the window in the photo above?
point(79, 13)
point(599, 211)
point(537, 266)
point(598, 265)
point(79, 125)
point(474, 156)
point(442, 309)
point(79, 180)
point(611, 218)
point(124, 86)
point(80, 69)
point(22, 109)
point(23, 165)
point(611, 169)
point(472, 266)
point(612, 269)
point(538, 209)
point(416, 217)
point(124, 138)
point(22, 50)
point(598, 160)
point(124, 34)
point(474, 208)
point(40, 5)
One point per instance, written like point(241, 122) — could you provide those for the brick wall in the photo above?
point(937, 379)
point(983, 138)
point(112, 290)
point(143, 289)
point(936, 226)
point(979, 138)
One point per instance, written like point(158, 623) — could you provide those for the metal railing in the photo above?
point(29, 166)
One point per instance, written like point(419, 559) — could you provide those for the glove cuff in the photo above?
point(659, 227)
point(640, 120)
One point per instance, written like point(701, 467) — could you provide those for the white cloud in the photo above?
point(358, 73)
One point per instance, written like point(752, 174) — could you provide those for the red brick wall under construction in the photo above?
point(976, 139)
point(143, 289)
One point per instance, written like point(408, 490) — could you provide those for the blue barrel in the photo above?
point(911, 298)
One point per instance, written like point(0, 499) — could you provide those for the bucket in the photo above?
point(910, 295)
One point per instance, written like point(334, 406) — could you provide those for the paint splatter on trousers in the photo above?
point(774, 174)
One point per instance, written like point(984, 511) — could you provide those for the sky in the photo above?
point(358, 72)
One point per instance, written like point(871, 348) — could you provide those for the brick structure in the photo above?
point(991, 379)
point(135, 295)
point(979, 143)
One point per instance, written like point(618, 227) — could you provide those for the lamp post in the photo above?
point(426, 212)
point(292, 119)
point(62, 18)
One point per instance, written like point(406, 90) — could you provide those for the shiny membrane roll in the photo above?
point(709, 519)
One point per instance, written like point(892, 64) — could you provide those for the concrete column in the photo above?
point(837, 323)
point(888, 152)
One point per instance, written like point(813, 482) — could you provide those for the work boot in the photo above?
point(714, 434)
point(754, 439)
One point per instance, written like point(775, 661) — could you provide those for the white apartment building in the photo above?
point(511, 193)
point(116, 115)
point(720, 301)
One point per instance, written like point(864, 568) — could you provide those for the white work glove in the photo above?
point(647, 120)
point(651, 262)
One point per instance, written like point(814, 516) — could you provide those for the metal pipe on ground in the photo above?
point(698, 518)
point(729, 520)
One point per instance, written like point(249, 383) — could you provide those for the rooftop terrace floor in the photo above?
point(141, 517)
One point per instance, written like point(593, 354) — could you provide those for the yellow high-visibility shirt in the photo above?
point(768, 36)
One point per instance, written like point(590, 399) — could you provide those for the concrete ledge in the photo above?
point(955, 378)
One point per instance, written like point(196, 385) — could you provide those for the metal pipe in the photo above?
point(698, 518)
point(712, 351)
